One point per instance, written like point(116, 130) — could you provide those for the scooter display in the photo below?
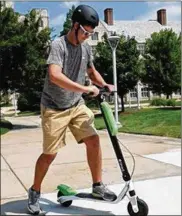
point(136, 206)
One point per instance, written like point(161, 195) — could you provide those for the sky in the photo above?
point(121, 10)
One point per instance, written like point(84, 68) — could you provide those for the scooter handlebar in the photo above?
point(103, 91)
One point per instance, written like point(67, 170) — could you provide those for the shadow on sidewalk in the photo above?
point(19, 207)
point(21, 126)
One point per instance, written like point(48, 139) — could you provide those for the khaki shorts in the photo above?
point(79, 119)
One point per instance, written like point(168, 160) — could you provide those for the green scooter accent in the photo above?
point(113, 128)
point(66, 190)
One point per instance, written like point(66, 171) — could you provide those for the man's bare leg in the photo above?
point(94, 157)
point(41, 169)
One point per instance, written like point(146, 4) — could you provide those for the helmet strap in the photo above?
point(76, 34)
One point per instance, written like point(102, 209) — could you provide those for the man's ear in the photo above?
point(76, 25)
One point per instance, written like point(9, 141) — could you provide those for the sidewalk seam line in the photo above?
point(14, 173)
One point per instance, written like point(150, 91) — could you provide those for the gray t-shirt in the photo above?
point(74, 61)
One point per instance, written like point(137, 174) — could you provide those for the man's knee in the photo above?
point(48, 158)
point(92, 141)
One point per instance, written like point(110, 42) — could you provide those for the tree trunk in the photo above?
point(122, 103)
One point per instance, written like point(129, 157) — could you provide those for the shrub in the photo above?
point(22, 103)
point(158, 102)
point(178, 103)
point(163, 102)
point(5, 126)
point(171, 102)
point(29, 101)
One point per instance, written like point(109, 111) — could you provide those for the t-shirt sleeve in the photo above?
point(90, 57)
point(56, 54)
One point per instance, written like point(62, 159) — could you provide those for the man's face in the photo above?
point(84, 33)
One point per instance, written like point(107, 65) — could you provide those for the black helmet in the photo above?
point(85, 15)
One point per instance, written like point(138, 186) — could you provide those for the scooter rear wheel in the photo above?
point(65, 204)
point(142, 207)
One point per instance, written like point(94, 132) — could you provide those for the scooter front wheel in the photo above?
point(65, 204)
point(142, 208)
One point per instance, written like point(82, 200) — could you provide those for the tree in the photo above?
point(68, 23)
point(36, 42)
point(103, 59)
point(23, 48)
point(127, 64)
point(162, 62)
point(9, 38)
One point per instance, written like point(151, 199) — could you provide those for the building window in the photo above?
point(133, 93)
point(93, 50)
point(141, 48)
point(95, 36)
point(41, 23)
point(145, 92)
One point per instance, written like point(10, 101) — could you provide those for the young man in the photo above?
point(62, 104)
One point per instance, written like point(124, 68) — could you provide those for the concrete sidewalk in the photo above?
point(21, 147)
point(163, 196)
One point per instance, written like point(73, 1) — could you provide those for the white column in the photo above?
point(115, 85)
point(138, 95)
point(15, 103)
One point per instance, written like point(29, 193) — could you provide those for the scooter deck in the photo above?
point(88, 196)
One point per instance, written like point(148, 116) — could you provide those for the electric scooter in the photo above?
point(136, 206)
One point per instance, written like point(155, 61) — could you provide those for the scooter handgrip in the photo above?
point(105, 89)
point(84, 95)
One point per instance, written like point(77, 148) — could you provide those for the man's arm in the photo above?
point(95, 77)
point(59, 79)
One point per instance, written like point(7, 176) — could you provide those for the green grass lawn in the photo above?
point(5, 126)
point(159, 122)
